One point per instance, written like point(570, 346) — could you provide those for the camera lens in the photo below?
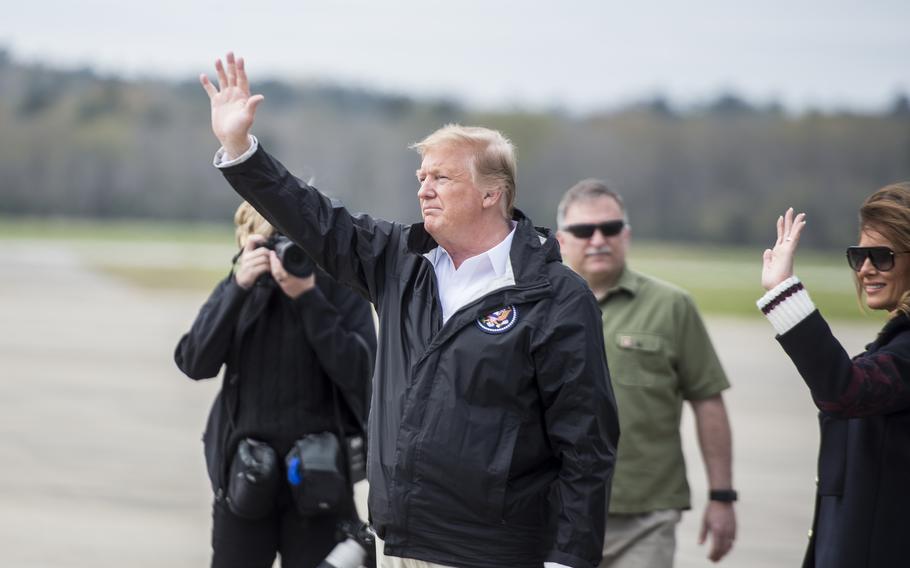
point(292, 257)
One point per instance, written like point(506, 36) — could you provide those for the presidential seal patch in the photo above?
point(500, 321)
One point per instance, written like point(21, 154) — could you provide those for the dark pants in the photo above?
point(302, 542)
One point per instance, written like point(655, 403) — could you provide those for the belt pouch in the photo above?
point(315, 472)
point(254, 480)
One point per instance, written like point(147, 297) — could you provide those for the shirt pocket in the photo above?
point(638, 359)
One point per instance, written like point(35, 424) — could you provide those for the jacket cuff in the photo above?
point(233, 291)
point(786, 305)
point(220, 162)
point(311, 298)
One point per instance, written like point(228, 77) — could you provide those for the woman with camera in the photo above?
point(862, 511)
point(298, 351)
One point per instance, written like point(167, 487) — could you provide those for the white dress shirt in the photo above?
point(476, 277)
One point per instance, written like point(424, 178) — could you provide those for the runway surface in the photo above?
point(100, 433)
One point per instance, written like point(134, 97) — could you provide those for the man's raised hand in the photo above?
point(233, 109)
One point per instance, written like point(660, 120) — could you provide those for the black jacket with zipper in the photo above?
point(282, 357)
point(486, 449)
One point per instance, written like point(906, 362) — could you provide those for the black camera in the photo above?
point(292, 257)
point(356, 550)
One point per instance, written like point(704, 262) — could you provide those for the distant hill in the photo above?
point(80, 144)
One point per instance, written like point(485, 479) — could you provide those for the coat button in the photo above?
point(810, 534)
point(233, 379)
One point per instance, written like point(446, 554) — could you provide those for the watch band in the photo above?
point(723, 495)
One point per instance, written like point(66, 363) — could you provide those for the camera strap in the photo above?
point(346, 442)
point(235, 259)
point(342, 437)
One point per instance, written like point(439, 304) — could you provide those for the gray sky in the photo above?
point(579, 55)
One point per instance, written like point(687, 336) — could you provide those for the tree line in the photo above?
point(79, 144)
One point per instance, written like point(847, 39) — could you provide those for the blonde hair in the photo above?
point(493, 164)
point(887, 212)
point(250, 222)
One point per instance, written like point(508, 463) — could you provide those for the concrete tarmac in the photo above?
point(100, 433)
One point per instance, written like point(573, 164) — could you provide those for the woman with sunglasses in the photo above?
point(862, 510)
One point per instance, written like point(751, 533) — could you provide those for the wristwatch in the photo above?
point(723, 495)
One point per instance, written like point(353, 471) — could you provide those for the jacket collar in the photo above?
point(497, 257)
point(532, 248)
point(893, 327)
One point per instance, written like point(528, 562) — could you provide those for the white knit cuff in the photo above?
point(786, 305)
point(220, 162)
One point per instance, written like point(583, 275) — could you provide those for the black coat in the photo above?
point(281, 358)
point(486, 449)
point(862, 514)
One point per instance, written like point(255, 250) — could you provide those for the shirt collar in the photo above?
point(498, 255)
point(629, 282)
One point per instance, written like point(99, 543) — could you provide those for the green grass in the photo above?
point(112, 247)
point(727, 280)
point(194, 256)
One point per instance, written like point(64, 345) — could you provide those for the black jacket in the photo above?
point(862, 514)
point(281, 358)
point(486, 449)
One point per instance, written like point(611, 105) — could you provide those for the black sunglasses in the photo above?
point(585, 230)
point(882, 258)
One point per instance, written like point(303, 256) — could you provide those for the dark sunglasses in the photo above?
point(882, 258)
point(585, 230)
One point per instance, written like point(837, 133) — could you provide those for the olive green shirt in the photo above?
point(659, 354)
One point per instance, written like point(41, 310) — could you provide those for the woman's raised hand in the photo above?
point(777, 262)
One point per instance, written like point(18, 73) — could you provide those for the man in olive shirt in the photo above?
point(659, 354)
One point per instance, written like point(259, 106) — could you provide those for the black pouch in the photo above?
point(254, 480)
point(316, 473)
